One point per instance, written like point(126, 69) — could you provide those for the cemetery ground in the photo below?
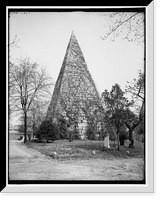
point(76, 160)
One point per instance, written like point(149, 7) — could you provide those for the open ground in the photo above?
point(77, 160)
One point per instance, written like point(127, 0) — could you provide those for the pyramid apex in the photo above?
point(72, 37)
point(72, 33)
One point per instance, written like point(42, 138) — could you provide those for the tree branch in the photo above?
point(121, 23)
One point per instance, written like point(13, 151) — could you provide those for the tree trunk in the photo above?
point(70, 136)
point(131, 138)
point(118, 141)
point(25, 127)
point(33, 129)
point(131, 128)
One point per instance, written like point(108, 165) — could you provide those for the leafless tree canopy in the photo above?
point(14, 42)
point(128, 24)
point(28, 83)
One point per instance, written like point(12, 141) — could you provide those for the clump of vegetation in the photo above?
point(62, 128)
point(47, 131)
point(90, 133)
point(21, 129)
point(123, 135)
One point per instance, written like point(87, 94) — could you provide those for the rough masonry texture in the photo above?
point(75, 97)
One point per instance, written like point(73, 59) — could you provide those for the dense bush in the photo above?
point(47, 131)
point(62, 129)
point(113, 135)
point(123, 135)
point(90, 133)
point(141, 130)
point(21, 128)
point(102, 134)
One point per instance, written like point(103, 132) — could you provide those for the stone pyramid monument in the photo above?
point(75, 96)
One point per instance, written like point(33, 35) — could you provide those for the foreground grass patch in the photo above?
point(62, 150)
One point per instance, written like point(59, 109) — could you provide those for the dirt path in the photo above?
point(28, 164)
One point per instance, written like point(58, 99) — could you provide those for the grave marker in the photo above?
point(107, 142)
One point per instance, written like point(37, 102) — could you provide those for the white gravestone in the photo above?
point(126, 143)
point(106, 142)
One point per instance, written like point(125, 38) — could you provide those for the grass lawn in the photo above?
point(78, 149)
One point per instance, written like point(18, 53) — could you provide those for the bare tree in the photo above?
point(11, 44)
point(128, 24)
point(27, 82)
point(37, 113)
point(137, 89)
point(14, 42)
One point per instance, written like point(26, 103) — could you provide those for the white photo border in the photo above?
point(108, 188)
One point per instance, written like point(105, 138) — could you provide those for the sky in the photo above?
point(44, 36)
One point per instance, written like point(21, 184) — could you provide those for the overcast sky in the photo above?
point(44, 38)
